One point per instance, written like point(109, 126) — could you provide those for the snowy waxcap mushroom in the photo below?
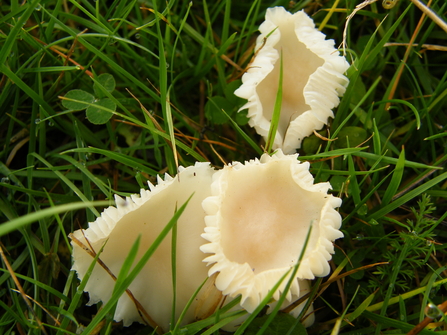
point(147, 215)
point(257, 221)
point(313, 78)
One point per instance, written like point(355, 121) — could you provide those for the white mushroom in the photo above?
point(257, 221)
point(313, 78)
point(147, 215)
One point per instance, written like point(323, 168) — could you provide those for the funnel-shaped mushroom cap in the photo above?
point(257, 221)
point(147, 215)
point(313, 78)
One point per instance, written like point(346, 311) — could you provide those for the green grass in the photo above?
point(174, 71)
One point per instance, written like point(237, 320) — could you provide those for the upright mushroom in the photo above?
point(258, 216)
point(147, 215)
point(313, 78)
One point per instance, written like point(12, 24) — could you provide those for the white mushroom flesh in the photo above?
point(258, 218)
point(147, 215)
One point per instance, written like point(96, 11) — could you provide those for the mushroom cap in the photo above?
point(313, 78)
point(147, 215)
point(258, 217)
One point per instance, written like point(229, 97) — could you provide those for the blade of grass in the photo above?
point(354, 110)
point(407, 197)
point(223, 313)
point(44, 106)
point(332, 153)
point(395, 179)
point(393, 323)
point(28, 219)
point(11, 39)
point(243, 134)
point(353, 182)
point(369, 55)
point(106, 59)
point(170, 156)
point(224, 321)
point(394, 161)
point(68, 182)
point(187, 306)
point(81, 167)
point(328, 15)
point(274, 122)
point(79, 291)
point(406, 103)
point(338, 323)
point(133, 162)
point(254, 9)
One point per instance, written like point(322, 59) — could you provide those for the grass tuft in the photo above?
point(98, 98)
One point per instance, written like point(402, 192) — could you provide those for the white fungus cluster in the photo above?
point(246, 224)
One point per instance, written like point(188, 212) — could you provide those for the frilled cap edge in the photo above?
point(321, 91)
point(239, 277)
point(146, 215)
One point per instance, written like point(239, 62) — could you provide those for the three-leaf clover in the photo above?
point(99, 108)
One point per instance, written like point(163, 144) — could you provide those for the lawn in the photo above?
point(98, 98)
